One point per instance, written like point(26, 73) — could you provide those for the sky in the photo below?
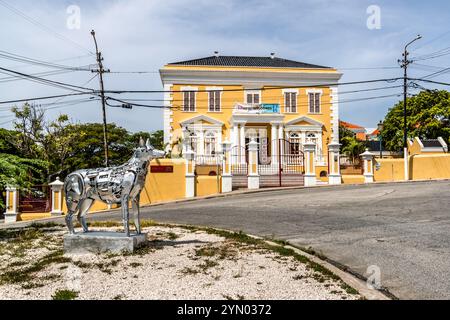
point(144, 35)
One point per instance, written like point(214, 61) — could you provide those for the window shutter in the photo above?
point(211, 101)
point(192, 101)
point(317, 102)
point(293, 102)
point(186, 101)
point(217, 93)
point(256, 98)
point(249, 98)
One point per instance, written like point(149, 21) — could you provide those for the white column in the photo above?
point(227, 182)
point(368, 157)
point(12, 204)
point(406, 164)
point(242, 142)
point(281, 136)
point(310, 168)
point(253, 174)
point(190, 174)
point(334, 176)
point(233, 135)
point(274, 144)
point(57, 197)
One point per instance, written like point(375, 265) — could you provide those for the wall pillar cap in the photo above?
point(253, 145)
point(189, 155)
point(367, 154)
point(56, 183)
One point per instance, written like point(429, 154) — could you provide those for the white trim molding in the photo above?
point(334, 114)
point(202, 117)
point(167, 115)
point(305, 119)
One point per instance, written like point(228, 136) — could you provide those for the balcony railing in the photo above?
point(257, 108)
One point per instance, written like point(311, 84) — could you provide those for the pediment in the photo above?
point(304, 121)
point(203, 120)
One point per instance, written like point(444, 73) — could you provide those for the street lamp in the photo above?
point(380, 128)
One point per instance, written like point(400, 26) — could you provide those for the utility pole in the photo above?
point(404, 64)
point(101, 71)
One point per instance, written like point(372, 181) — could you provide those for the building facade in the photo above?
point(237, 99)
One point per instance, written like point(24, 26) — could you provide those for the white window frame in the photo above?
point(211, 90)
point(210, 143)
point(314, 91)
point(290, 91)
point(252, 92)
point(190, 89)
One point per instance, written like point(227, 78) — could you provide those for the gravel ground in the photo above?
point(177, 263)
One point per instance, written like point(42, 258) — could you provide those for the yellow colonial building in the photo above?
point(280, 104)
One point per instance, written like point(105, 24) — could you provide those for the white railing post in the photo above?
point(310, 164)
point(253, 174)
point(227, 178)
point(334, 176)
point(190, 173)
point(57, 197)
point(367, 156)
point(12, 204)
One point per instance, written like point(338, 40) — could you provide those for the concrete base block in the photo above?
point(227, 183)
point(10, 217)
point(368, 178)
point(253, 182)
point(97, 241)
point(334, 179)
point(310, 180)
point(190, 186)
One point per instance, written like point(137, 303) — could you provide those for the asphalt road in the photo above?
point(403, 228)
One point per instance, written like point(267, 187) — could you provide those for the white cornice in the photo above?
point(264, 78)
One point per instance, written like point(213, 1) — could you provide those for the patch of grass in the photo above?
point(26, 274)
point(172, 236)
point(65, 295)
point(207, 264)
point(135, 264)
point(189, 271)
point(119, 297)
point(348, 289)
point(225, 251)
point(104, 224)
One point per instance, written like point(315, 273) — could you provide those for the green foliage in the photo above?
point(65, 295)
point(20, 172)
point(350, 146)
point(428, 116)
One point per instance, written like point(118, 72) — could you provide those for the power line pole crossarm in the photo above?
point(404, 64)
point(100, 72)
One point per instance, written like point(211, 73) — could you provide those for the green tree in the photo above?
point(20, 172)
point(428, 116)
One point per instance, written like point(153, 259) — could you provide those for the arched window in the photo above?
point(210, 143)
point(295, 143)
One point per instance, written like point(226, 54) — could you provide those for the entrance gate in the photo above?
point(239, 167)
point(286, 166)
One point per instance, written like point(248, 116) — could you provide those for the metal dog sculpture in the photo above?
point(110, 185)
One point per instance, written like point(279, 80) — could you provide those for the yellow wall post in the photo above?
point(310, 164)
point(368, 157)
point(190, 173)
point(12, 204)
point(57, 197)
point(253, 174)
point(334, 176)
point(227, 185)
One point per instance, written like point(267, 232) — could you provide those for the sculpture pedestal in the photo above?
point(102, 241)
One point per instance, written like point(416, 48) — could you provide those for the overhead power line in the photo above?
point(35, 62)
point(46, 81)
point(317, 85)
